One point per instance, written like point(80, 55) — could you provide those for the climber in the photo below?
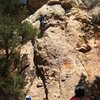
point(43, 22)
point(79, 94)
point(28, 97)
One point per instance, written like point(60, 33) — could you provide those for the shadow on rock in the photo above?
point(92, 89)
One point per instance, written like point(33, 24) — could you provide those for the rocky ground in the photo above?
point(67, 55)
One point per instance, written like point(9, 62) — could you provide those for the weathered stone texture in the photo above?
point(67, 54)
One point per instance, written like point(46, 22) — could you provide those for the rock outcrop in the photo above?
point(28, 69)
point(67, 55)
point(92, 5)
point(35, 4)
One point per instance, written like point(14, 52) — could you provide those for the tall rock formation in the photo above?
point(68, 53)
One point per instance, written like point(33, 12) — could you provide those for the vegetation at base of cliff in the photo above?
point(11, 86)
point(13, 33)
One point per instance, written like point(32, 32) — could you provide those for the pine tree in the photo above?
point(10, 32)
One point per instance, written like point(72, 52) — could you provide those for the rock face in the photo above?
point(93, 6)
point(28, 64)
point(91, 3)
point(87, 4)
point(67, 55)
point(35, 4)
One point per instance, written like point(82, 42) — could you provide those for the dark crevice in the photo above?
point(85, 49)
point(40, 73)
point(23, 69)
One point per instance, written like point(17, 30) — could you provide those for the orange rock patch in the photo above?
point(66, 65)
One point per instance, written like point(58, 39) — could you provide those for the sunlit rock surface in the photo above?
point(67, 55)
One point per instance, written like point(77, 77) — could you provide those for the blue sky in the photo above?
point(23, 1)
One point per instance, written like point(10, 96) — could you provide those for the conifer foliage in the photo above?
point(11, 29)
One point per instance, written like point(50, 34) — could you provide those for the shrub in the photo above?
point(27, 32)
